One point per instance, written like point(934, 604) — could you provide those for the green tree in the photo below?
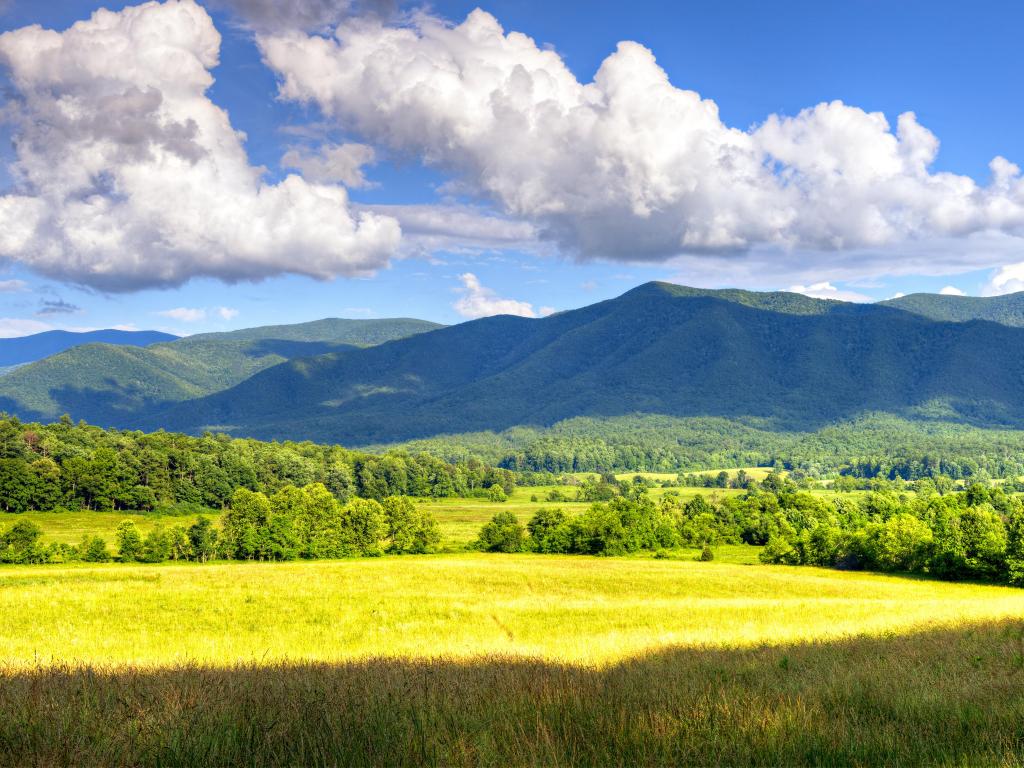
point(93, 549)
point(503, 534)
point(367, 525)
point(410, 529)
point(129, 541)
point(203, 538)
point(156, 548)
point(901, 543)
point(20, 544)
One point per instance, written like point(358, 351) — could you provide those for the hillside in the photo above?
point(116, 385)
point(1006, 310)
point(792, 361)
point(27, 349)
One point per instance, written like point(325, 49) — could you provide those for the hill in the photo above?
point(1006, 310)
point(788, 360)
point(27, 349)
point(116, 385)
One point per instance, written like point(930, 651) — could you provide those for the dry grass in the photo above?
point(942, 697)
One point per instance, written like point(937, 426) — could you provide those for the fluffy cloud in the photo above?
point(333, 163)
point(129, 176)
point(1007, 279)
point(480, 301)
point(826, 290)
point(629, 166)
point(951, 290)
point(227, 313)
point(13, 286)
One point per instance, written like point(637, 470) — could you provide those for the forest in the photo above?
point(77, 466)
point(974, 534)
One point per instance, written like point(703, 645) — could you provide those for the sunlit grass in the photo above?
point(577, 609)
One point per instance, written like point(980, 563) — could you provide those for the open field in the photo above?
point(512, 660)
point(577, 609)
point(460, 519)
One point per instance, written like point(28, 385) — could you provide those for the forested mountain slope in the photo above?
point(795, 362)
point(116, 385)
point(1007, 310)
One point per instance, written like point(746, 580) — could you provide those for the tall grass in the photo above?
point(941, 697)
point(505, 660)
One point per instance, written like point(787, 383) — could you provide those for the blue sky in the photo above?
point(956, 66)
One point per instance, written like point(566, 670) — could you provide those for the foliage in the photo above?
point(84, 467)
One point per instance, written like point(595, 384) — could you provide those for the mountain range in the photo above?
point(114, 385)
point(28, 349)
point(783, 359)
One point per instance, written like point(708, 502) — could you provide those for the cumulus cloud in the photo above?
point(825, 290)
point(952, 290)
point(1007, 279)
point(227, 313)
point(342, 163)
point(130, 176)
point(629, 166)
point(184, 314)
point(480, 301)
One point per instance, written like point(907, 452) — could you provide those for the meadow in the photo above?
point(472, 659)
point(459, 518)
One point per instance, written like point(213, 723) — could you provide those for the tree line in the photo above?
point(293, 523)
point(77, 466)
point(974, 534)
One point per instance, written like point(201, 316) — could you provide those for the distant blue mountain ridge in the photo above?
point(28, 349)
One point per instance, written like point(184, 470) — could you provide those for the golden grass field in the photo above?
point(566, 608)
point(473, 659)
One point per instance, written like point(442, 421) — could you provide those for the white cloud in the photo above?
point(227, 313)
point(951, 290)
point(1007, 279)
point(13, 286)
point(630, 167)
point(825, 290)
point(184, 314)
point(479, 301)
point(463, 228)
point(546, 311)
point(897, 295)
point(10, 327)
point(342, 163)
point(129, 176)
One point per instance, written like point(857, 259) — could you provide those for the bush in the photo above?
point(706, 555)
point(503, 534)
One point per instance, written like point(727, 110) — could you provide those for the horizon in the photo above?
point(186, 334)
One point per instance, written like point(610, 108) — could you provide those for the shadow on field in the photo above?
point(950, 696)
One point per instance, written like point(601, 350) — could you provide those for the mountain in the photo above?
point(1006, 310)
point(786, 359)
point(27, 349)
point(116, 385)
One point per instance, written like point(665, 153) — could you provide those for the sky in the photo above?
point(203, 165)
